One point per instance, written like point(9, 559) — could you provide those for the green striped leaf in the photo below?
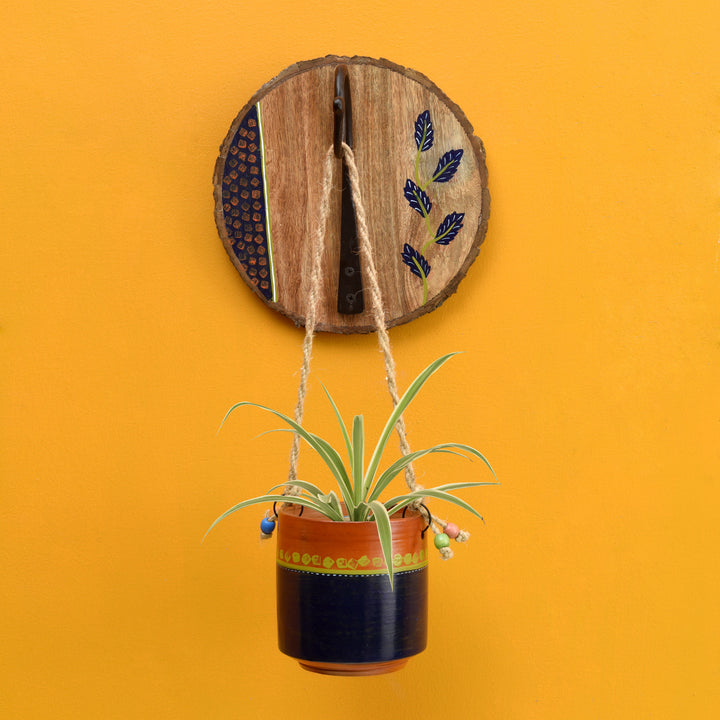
point(358, 443)
point(399, 465)
point(323, 508)
point(384, 529)
point(341, 423)
point(401, 501)
point(341, 473)
point(321, 447)
point(405, 400)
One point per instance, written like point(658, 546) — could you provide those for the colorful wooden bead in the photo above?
point(267, 526)
point(441, 541)
point(452, 530)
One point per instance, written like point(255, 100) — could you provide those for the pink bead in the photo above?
point(452, 530)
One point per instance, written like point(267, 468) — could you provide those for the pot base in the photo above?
point(353, 669)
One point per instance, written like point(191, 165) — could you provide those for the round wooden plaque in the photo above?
point(423, 180)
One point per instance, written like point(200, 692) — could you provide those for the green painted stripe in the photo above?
point(348, 571)
point(267, 205)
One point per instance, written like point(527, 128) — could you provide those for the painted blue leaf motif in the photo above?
point(415, 261)
point(447, 166)
point(449, 228)
point(424, 131)
point(417, 198)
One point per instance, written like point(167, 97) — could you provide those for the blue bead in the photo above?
point(267, 526)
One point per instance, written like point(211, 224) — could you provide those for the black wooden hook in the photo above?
point(302, 507)
point(429, 517)
point(350, 299)
point(342, 110)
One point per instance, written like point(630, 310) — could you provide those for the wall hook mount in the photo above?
point(342, 110)
point(423, 179)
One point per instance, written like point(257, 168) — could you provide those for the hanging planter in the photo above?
point(352, 566)
point(337, 613)
point(352, 571)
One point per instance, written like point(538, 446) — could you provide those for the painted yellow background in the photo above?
point(590, 323)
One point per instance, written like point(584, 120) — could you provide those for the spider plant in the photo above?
point(361, 485)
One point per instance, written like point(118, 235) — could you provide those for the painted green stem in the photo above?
point(431, 180)
point(427, 245)
point(424, 280)
point(434, 239)
point(422, 252)
point(424, 213)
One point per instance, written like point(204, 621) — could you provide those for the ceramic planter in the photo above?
point(337, 614)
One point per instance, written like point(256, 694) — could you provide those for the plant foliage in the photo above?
point(362, 485)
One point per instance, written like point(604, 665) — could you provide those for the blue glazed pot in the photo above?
point(337, 613)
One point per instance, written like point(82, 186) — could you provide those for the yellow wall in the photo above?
point(590, 378)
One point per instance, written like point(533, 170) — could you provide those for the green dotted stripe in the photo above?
point(350, 566)
point(273, 281)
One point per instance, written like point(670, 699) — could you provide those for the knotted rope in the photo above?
point(313, 293)
point(377, 306)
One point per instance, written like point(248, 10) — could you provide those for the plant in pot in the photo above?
point(352, 567)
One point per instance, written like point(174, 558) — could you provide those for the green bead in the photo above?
point(441, 541)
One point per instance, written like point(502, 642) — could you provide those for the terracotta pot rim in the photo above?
point(313, 516)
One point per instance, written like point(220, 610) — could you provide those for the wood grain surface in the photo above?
point(297, 129)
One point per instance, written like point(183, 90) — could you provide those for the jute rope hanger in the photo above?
point(376, 303)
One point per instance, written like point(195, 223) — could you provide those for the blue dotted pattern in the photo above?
point(244, 207)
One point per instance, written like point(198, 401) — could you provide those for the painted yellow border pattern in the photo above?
point(268, 232)
point(350, 566)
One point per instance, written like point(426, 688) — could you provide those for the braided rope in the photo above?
point(318, 246)
point(376, 302)
point(378, 311)
point(384, 339)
